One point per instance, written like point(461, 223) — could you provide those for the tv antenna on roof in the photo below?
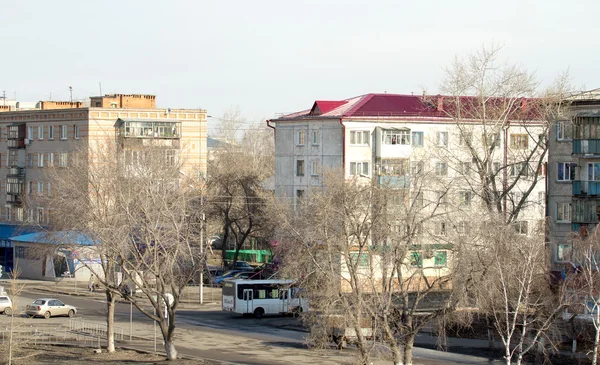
point(3, 97)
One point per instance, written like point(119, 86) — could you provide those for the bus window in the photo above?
point(262, 293)
point(283, 294)
point(274, 293)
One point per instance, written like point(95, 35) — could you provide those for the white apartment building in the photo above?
point(383, 138)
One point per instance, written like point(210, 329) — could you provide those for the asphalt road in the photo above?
point(273, 330)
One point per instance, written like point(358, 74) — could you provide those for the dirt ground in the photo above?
point(72, 355)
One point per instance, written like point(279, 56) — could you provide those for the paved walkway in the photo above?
point(229, 347)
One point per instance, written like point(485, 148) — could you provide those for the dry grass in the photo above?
point(72, 355)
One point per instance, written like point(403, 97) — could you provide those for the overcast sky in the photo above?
point(278, 56)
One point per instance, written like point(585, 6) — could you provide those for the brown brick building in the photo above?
point(31, 140)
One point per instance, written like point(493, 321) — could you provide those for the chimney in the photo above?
point(440, 103)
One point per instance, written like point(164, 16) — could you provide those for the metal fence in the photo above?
point(78, 327)
point(35, 335)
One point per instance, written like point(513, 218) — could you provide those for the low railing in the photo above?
point(210, 294)
point(81, 327)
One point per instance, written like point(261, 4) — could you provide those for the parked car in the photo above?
point(5, 305)
point(246, 275)
point(242, 265)
point(212, 272)
point(49, 307)
point(229, 274)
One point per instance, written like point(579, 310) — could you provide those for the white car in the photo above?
point(5, 305)
point(49, 307)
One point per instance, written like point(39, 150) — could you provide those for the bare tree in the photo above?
point(514, 288)
point(502, 120)
point(360, 250)
point(583, 281)
point(230, 124)
point(16, 288)
point(139, 215)
point(238, 186)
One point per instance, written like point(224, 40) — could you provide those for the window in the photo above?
point(315, 137)
point(8, 214)
point(465, 197)
point(519, 141)
point(394, 166)
point(521, 227)
point(49, 187)
point(566, 171)
point(63, 132)
point(299, 193)
point(20, 252)
point(440, 258)
point(563, 252)
point(40, 160)
point(29, 160)
point(396, 136)
point(19, 214)
point(441, 168)
point(40, 186)
point(315, 168)
point(442, 139)
point(300, 168)
point(360, 259)
point(465, 168)
point(563, 131)
point(497, 166)
point(301, 138)
point(417, 139)
point(563, 212)
point(418, 200)
point(416, 259)
point(76, 131)
point(416, 167)
point(519, 169)
point(40, 132)
point(30, 133)
point(51, 159)
point(50, 132)
point(30, 187)
point(441, 197)
point(62, 159)
point(40, 215)
point(359, 137)
point(491, 140)
point(359, 168)
point(465, 138)
point(440, 229)
point(462, 228)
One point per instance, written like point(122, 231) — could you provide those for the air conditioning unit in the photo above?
point(27, 141)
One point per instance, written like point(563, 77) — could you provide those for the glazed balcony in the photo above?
point(584, 187)
point(586, 146)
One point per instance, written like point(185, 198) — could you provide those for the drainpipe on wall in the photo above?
point(343, 146)
point(504, 162)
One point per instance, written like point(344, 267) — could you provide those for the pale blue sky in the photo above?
point(278, 56)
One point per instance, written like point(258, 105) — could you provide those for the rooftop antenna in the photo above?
point(3, 97)
point(100, 87)
point(70, 94)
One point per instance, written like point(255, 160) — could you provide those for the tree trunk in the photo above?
point(396, 354)
point(595, 351)
point(408, 348)
point(110, 321)
point(170, 350)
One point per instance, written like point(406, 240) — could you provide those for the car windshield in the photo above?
point(39, 302)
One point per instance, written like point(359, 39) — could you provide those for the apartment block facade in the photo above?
point(386, 138)
point(32, 140)
point(574, 177)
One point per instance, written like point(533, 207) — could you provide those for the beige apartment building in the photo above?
point(32, 140)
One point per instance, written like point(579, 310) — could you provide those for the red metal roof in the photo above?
point(325, 106)
point(398, 105)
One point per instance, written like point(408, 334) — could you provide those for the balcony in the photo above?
point(14, 199)
point(15, 143)
point(586, 146)
point(584, 187)
point(394, 181)
point(16, 172)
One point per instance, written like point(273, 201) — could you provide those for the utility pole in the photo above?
point(3, 97)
